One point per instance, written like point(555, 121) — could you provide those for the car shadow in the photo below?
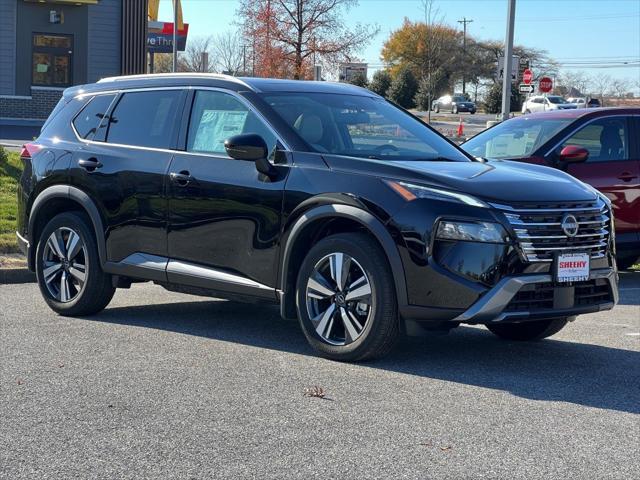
point(550, 370)
point(630, 287)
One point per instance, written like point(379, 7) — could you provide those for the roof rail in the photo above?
point(144, 76)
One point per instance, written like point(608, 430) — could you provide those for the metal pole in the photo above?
point(174, 66)
point(508, 60)
point(464, 22)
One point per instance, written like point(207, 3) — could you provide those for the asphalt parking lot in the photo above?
point(162, 385)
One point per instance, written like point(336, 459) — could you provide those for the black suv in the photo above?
point(353, 215)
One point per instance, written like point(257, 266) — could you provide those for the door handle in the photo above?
point(182, 178)
point(627, 176)
point(90, 164)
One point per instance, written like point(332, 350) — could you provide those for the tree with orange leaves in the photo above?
point(286, 35)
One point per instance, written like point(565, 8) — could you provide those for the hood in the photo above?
point(494, 180)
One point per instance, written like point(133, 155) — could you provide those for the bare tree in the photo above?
point(601, 85)
point(432, 48)
point(227, 52)
point(574, 82)
point(191, 60)
point(620, 87)
point(293, 31)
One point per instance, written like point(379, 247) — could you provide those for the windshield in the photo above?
point(557, 100)
point(360, 126)
point(459, 99)
point(517, 138)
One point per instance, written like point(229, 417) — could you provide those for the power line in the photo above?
point(464, 22)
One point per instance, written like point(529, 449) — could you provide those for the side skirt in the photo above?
point(178, 275)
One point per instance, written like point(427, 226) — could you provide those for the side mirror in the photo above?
point(250, 147)
point(573, 154)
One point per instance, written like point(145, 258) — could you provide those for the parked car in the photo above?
point(584, 102)
point(542, 103)
point(579, 102)
point(453, 104)
point(300, 194)
point(599, 147)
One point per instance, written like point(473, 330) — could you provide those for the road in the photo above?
point(162, 385)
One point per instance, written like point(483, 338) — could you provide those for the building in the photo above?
point(49, 45)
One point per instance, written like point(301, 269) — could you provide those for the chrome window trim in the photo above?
point(244, 101)
point(575, 130)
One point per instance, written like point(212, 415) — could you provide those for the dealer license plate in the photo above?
point(572, 267)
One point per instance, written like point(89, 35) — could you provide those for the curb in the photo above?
point(16, 275)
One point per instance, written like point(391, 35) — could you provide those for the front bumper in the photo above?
point(492, 306)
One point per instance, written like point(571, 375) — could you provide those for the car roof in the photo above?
point(584, 112)
point(257, 85)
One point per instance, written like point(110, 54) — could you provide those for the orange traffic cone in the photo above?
point(460, 128)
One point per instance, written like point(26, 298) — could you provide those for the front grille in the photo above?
point(540, 296)
point(540, 234)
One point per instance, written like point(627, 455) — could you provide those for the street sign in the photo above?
point(514, 68)
point(527, 76)
point(545, 84)
point(527, 88)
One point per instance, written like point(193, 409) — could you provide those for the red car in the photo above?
point(601, 147)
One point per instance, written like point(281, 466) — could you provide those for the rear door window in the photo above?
point(606, 139)
point(88, 123)
point(145, 119)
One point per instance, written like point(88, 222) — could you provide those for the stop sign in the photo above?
point(527, 76)
point(545, 85)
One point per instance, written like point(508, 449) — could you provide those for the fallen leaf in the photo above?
point(446, 447)
point(314, 391)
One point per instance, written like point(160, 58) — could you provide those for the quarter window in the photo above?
point(51, 60)
point(606, 139)
point(88, 123)
point(216, 116)
point(145, 119)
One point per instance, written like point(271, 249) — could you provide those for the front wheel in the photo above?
point(68, 267)
point(346, 298)
point(536, 330)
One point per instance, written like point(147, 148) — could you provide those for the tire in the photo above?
point(473, 112)
point(437, 108)
point(626, 263)
point(527, 331)
point(454, 110)
point(527, 111)
point(376, 327)
point(70, 278)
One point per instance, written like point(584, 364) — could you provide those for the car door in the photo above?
point(122, 165)
point(612, 167)
point(225, 216)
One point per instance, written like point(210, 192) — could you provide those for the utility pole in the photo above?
point(464, 22)
point(508, 60)
point(174, 64)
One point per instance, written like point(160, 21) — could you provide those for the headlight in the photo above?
point(471, 231)
point(410, 192)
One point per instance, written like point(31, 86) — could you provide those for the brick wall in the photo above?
point(37, 107)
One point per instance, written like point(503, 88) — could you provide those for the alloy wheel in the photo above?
point(339, 300)
point(64, 264)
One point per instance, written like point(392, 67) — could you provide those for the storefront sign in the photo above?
point(160, 37)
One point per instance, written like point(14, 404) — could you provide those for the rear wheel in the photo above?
point(437, 109)
point(68, 267)
point(526, 331)
point(346, 298)
point(454, 109)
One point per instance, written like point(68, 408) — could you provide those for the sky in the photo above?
point(572, 31)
